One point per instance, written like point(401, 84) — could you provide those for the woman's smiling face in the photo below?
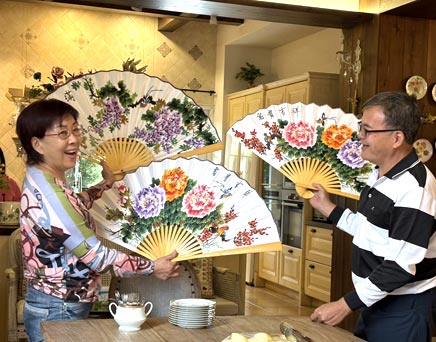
point(60, 155)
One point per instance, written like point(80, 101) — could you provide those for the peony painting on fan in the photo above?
point(131, 119)
point(194, 206)
point(308, 144)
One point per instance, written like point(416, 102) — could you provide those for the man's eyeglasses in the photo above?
point(364, 132)
point(65, 134)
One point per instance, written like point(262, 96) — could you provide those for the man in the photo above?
point(394, 240)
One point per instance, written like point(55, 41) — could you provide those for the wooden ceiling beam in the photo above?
point(237, 10)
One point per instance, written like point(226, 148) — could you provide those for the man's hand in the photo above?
point(321, 200)
point(331, 313)
point(165, 268)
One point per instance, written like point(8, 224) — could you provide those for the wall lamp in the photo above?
point(350, 69)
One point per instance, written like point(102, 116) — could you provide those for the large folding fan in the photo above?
point(131, 119)
point(308, 144)
point(197, 207)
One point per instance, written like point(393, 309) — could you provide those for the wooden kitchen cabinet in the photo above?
point(283, 268)
point(243, 103)
point(318, 262)
point(310, 87)
point(269, 266)
point(290, 267)
point(237, 158)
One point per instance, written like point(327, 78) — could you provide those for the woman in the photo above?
point(62, 255)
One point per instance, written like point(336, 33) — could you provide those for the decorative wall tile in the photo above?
point(196, 52)
point(194, 84)
point(27, 71)
point(81, 41)
point(132, 47)
point(41, 35)
point(164, 49)
point(28, 36)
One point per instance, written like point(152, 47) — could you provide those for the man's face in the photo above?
point(376, 146)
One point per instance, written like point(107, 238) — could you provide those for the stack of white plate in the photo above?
point(192, 312)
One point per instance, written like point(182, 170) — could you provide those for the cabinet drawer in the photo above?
point(317, 280)
point(319, 242)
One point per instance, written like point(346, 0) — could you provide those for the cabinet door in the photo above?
point(297, 92)
point(253, 102)
point(236, 110)
point(319, 242)
point(269, 266)
point(275, 96)
point(317, 280)
point(290, 268)
point(237, 158)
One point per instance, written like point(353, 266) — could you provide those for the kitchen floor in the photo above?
point(260, 301)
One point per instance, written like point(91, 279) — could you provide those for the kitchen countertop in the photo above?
point(320, 224)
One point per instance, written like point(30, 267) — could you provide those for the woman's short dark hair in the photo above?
point(35, 119)
point(401, 112)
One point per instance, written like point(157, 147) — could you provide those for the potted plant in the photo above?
point(249, 74)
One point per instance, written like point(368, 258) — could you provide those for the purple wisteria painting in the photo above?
point(118, 106)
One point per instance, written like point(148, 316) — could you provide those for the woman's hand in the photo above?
point(165, 268)
point(108, 176)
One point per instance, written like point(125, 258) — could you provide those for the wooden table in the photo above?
point(159, 329)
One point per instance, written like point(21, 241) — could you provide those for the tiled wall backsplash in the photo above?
point(37, 36)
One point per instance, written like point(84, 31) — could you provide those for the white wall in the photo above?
point(316, 52)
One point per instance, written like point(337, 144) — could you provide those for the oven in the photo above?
point(291, 218)
point(272, 198)
point(271, 177)
point(285, 204)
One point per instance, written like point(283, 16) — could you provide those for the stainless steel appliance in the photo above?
point(272, 198)
point(292, 218)
point(271, 177)
point(285, 205)
point(287, 183)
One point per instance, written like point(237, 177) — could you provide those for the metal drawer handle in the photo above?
point(313, 230)
point(311, 266)
point(290, 251)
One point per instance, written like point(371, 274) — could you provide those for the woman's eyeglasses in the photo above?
point(364, 132)
point(65, 134)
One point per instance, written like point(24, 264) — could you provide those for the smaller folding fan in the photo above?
point(308, 144)
point(194, 206)
point(131, 119)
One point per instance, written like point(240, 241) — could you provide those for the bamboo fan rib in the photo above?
point(306, 171)
point(164, 240)
point(122, 155)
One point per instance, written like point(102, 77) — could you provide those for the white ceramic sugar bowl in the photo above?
point(130, 317)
